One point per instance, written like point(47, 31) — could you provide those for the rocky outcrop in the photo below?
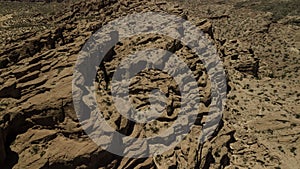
point(259, 128)
point(42, 128)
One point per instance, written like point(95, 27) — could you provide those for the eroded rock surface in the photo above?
point(260, 125)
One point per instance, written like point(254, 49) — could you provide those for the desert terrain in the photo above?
point(258, 43)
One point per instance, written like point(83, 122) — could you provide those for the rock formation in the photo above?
point(260, 125)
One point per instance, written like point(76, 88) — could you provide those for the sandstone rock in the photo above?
point(39, 127)
point(9, 89)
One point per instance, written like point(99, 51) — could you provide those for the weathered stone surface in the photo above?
point(259, 127)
